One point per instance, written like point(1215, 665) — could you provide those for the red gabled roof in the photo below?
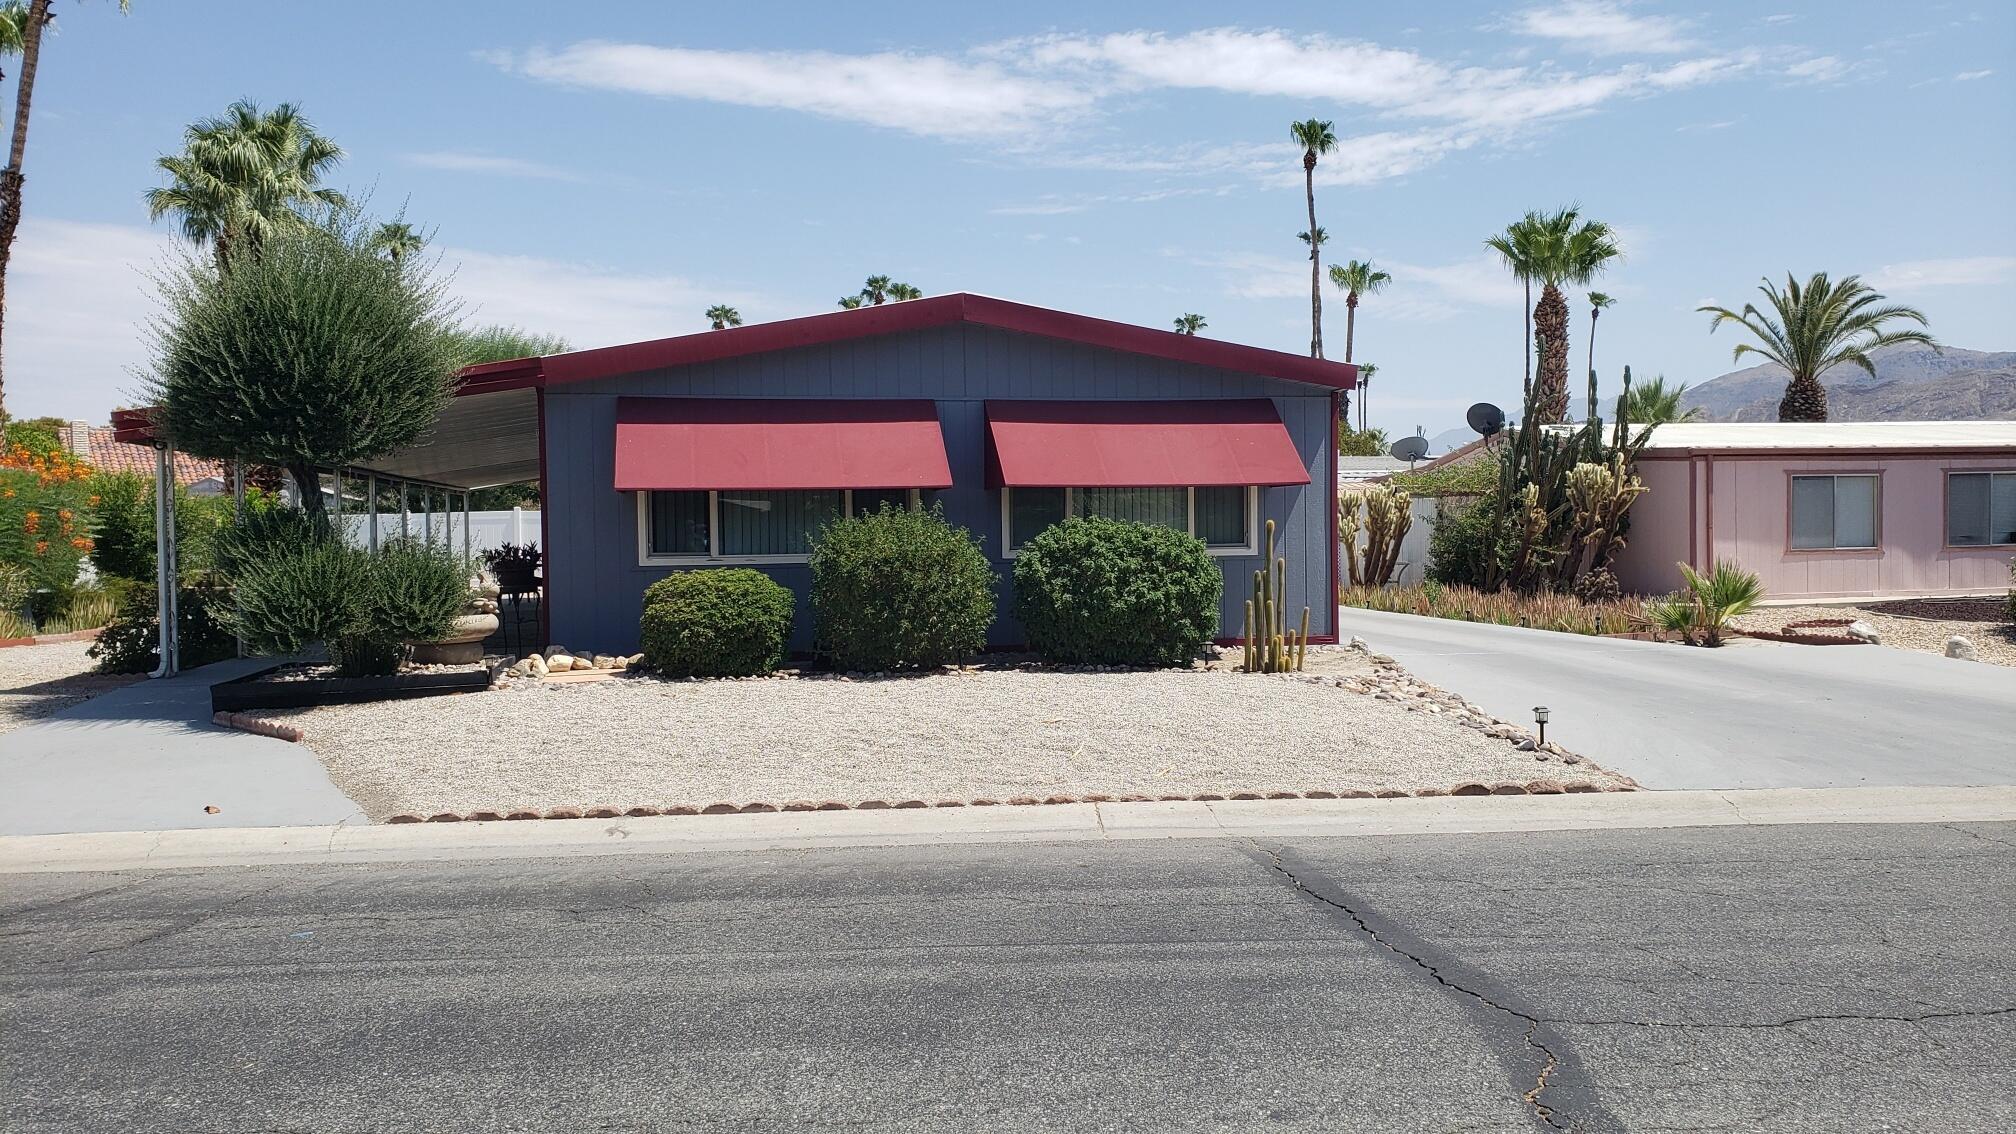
point(892, 318)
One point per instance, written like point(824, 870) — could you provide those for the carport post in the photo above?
point(165, 576)
point(427, 515)
point(468, 549)
point(371, 525)
point(405, 510)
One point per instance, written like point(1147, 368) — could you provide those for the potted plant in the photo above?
point(516, 567)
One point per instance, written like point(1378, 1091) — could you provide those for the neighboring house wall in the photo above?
point(596, 585)
point(1703, 508)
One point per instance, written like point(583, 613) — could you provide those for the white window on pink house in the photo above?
point(1833, 512)
point(1981, 509)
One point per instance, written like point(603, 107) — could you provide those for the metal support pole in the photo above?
point(427, 515)
point(405, 510)
point(371, 524)
point(468, 549)
point(165, 576)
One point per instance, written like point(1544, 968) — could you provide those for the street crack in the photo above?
point(1551, 1061)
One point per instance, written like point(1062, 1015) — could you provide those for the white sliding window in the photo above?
point(1833, 512)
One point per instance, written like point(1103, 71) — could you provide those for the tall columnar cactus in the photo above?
point(1553, 534)
point(1272, 646)
point(1388, 515)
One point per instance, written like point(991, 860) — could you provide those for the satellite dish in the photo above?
point(1409, 449)
point(1485, 418)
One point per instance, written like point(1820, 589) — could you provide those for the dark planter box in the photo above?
point(248, 692)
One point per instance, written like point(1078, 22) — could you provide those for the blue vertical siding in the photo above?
point(596, 584)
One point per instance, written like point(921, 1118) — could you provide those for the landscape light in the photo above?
point(1540, 715)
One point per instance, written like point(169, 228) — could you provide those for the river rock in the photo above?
point(1961, 648)
point(1863, 632)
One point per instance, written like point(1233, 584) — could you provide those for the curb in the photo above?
point(759, 807)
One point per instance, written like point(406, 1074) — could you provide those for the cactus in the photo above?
point(1388, 515)
point(1272, 646)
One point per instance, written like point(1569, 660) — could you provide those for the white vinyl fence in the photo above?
point(487, 530)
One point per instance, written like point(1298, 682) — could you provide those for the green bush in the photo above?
point(899, 588)
point(1114, 592)
point(1455, 542)
point(296, 597)
point(129, 643)
point(411, 593)
point(263, 534)
point(15, 584)
point(716, 623)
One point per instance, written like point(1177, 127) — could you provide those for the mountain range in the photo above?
point(1911, 383)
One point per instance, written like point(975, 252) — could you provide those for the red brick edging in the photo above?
point(247, 723)
point(1533, 787)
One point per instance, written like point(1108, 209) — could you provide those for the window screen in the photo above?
point(679, 523)
point(1833, 511)
point(1980, 509)
point(1221, 516)
point(1167, 507)
point(774, 523)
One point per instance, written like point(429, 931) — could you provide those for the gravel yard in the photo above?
point(985, 734)
point(1914, 624)
point(35, 681)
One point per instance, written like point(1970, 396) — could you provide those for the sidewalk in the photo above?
point(147, 758)
point(1062, 823)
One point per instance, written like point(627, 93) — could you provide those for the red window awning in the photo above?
point(748, 444)
point(1144, 444)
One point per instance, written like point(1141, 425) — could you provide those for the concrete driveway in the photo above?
point(1739, 717)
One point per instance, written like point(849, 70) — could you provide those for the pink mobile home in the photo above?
point(1833, 510)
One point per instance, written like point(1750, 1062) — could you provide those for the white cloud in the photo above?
point(456, 162)
point(1970, 76)
point(1959, 271)
point(1780, 18)
point(921, 94)
point(80, 300)
point(1819, 69)
point(1603, 28)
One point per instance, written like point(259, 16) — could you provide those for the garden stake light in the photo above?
point(1540, 715)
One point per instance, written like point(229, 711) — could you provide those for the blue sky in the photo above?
point(608, 174)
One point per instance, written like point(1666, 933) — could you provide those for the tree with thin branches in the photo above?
point(1809, 329)
point(1189, 323)
point(22, 28)
point(1316, 138)
point(396, 240)
point(245, 175)
point(721, 317)
point(1597, 303)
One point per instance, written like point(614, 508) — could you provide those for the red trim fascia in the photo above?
point(134, 426)
point(495, 377)
point(938, 311)
point(1843, 454)
point(545, 530)
point(1336, 583)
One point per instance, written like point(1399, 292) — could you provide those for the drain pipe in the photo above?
point(165, 574)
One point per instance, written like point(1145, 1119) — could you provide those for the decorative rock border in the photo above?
point(51, 639)
point(246, 722)
point(1470, 788)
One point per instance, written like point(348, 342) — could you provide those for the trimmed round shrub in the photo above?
point(1095, 591)
point(731, 622)
point(899, 588)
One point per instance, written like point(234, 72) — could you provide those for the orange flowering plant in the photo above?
point(44, 507)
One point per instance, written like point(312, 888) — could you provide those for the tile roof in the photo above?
point(96, 444)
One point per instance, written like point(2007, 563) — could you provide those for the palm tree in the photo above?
point(1365, 373)
point(876, 289)
point(21, 29)
point(1515, 249)
point(1563, 251)
point(244, 175)
point(1355, 279)
point(1597, 302)
point(1316, 138)
point(1814, 328)
point(1651, 403)
point(900, 291)
point(397, 240)
point(723, 316)
point(1189, 323)
point(850, 302)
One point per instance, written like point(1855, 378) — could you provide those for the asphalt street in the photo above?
point(1810, 978)
point(1751, 716)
